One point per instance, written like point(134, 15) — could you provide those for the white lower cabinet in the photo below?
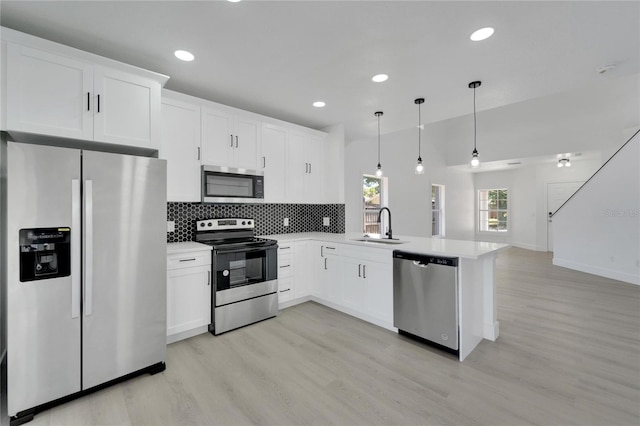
point(285, 272)
point(353, 279)
point(188, 294)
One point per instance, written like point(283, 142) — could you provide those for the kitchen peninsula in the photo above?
point(356, 277)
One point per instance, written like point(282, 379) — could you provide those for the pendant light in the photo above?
point(419, 166)
point(379, 168)
point(475, 161)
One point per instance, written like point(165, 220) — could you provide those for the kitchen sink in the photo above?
point(379, 240)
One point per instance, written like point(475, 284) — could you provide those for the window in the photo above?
point(371, 203)
point(437, 210)
point(493, 210)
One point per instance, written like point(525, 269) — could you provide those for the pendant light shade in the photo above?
point(419, 166)
point(475, 161)
point(379, 168)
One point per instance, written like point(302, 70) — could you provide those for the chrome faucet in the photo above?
point(389, 233)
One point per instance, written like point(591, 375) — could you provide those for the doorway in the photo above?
point(557, 195)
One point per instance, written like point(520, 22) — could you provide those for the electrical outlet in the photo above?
point(171, 226)
point(286, 221)
point(326, 221)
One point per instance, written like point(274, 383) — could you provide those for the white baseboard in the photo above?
point(492, 331)
point(596, 270)
point(527, 246)
point(293, 302)
point(186, 334)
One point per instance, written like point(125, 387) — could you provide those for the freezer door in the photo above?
point(43, 331)
point(124, 315)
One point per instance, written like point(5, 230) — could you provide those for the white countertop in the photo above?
point(186, 247)
point(422, 245)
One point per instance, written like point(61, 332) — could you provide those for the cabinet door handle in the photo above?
point(359, 269)
point(231, 136)
point(208, 277)
point(198, 153)
point(282, 291)
point(364, 271)
point(264, 162)
point(236, 141)
point(98, 103)
point(330, 248)
point(285, 248)
point(188, 260)
point(285, 266)
point(309, 168)
point(321, 251)
point(325, 263)
point(88, 101)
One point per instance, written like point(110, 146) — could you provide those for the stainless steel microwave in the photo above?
point(229, 185)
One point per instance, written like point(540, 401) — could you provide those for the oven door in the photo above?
point(244, 273)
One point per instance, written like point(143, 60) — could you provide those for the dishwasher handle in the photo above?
point(423, 260)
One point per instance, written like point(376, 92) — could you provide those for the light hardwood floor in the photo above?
point(568, 354)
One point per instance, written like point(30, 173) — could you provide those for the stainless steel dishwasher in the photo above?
point(425, 297)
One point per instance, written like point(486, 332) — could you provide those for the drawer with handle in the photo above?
point(188, 260)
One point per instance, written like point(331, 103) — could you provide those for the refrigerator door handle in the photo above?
point(75, 248)
point(88, 243)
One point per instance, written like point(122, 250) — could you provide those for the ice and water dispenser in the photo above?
point(44, 253)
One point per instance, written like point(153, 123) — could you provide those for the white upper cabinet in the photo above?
point(180, 146)
point(229, 140)
point(274, 145)
point(304, 168)
point(60, 95)
point(126, 109)
point(48, 94)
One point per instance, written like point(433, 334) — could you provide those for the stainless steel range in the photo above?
point(245, 272)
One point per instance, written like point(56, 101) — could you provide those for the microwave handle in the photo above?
point(231, 137)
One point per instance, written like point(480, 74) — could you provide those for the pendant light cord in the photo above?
point(419, 131)
point(474, 119)
point(378, 138)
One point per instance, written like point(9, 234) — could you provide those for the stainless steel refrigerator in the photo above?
point(86, 271)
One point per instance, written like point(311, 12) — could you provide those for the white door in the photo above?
point(274, 143)
point(126, 109)
point(557, 194)
point(217, 138)
point(378, 292)
point(48, 94)
point(180, 146)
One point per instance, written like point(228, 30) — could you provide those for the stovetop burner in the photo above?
point(230, 233)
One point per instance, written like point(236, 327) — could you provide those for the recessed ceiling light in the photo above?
point(234, 1)
point(482, 34)
point(319, 104)
point(379, 78)
point(183, 55)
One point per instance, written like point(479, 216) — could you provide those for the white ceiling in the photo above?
point(276, 58)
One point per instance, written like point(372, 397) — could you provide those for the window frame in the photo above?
point(440, 210)
point(507, 211)
point(383, 202)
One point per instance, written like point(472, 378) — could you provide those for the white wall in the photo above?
point(528, 199)
point(598, 230)
point(409, 194)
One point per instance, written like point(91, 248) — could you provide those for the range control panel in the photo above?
point(44, 253)
point(224, 224)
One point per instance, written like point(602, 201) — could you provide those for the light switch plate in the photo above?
point(286, 221)
point(171, 226)
point(326, 221)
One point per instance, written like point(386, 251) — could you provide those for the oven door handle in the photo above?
point(243, 250)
